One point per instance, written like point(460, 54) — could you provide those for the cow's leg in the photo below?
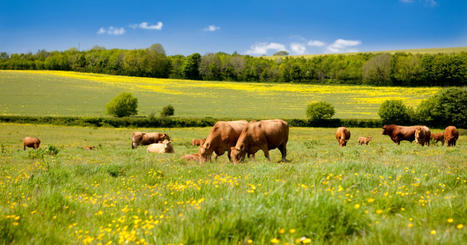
point(228, 155)
point(283, 150)
point(24, 147)
point(266, 153)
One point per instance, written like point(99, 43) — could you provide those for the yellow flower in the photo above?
point(275, 241)
point(410, 225)
point(379, 211)
point(306, 241)
point(356, 206)
point(432, 232)
point(250, 241)
point(450, 220)
point(281, 231)
point(370, 200)
point(15, 223)
point(460, 226)
point(292, 231)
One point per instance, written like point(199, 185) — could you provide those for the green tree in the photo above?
point(122, 105)
point(320, 110)
point(191, 69)
point(395, 112)
point(168, 111)
point(377, 70)
point(447, 107)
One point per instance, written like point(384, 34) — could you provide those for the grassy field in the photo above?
point(85, 94)
point(376, 194)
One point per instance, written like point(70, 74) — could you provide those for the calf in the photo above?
point(364, 140)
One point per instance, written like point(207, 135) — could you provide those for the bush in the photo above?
point(395, 112)
point(122, 105)
point(168, 111)
point(320, 110)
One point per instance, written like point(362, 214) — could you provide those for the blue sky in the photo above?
point(253, 27)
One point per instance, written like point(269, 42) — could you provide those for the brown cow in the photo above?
point(190, 157)
point(140, 138)
point(223, 135)
point(89, 148)
point(451, 135)
point(364, 140)
point(437, 137)
point(342, 136)
point(399, 133)
point(422, 135)
point(164, 147)
point(31, 142)
point(198, 141)
point(264, 135)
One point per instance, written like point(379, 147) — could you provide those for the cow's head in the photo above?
point(387, 129)
point(136, 139)
point(237, 154)
point(205, 152)
point(342, 142)
point(165, 137)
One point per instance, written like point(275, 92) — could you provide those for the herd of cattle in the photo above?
point(243, 139)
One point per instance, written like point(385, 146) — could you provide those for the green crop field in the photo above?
point(376, 194)
point(85, 94)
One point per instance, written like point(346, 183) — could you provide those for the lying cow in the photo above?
point(422, 135)
point(399, 133)
point(437, 137)
point(364, 140)
point(198, 142)
point(451, 135)
point(223, 135)
point(342, 136)
point(264, 135)
point(31, 142)
point(89, 148)
point(190, 157)
point(140, 138)
point(164, 147)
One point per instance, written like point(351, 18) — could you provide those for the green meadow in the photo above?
point(376, 194)
point(59, 93)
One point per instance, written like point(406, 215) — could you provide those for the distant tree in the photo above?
point(177, 66)
point(97, 47)
point(281, 53)
point(168, 111)
point(122, 105)
point(320, 110)
point(191, 70)
point(395, 112)
point(157, 48)
point(377, 70)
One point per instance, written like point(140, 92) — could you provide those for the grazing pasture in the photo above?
point(380, 193)
point(60, 93)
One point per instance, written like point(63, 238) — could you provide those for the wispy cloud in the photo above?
point(315, 43)
point(342, 45)
point(211, 28)
point(147, 26)
point(431, 3)
point(112, 31)
point(264, 48)
point(297, 48)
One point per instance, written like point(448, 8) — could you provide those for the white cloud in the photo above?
point(112, 31)
point(431, 3)
point(264, 48)
point(147, 26)
point(342, 45)
point(315, 43)
point(297, 48)
point(211, 28)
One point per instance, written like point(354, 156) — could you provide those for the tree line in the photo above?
point(399, 69)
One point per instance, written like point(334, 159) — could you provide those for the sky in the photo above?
point(253, 27)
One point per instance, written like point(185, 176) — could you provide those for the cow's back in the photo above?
point(273, 132)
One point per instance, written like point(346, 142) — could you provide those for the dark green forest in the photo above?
point(380, 69)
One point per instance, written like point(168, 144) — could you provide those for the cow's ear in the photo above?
point(207, 145)
point(242, 147)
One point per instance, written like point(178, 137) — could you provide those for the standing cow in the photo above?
point(451, 135)
point(342, 136)
point(31, 142)
point(422, 135)
point(223, 135)
point(264, 135)
point(140, 138)
point(436, 137)
point(364, 140)
point(399, 133)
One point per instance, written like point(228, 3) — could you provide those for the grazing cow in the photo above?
point(364, 140)
point(223, 135)
point(342, 136)
point(451, 135)
point(31, 142)
point(164, 147)
point(198, 142)
point(422, 135)
point(264, 135)
point(190, 157)
point(436, 137)
point(89, 148)
point(399, 133)
point(140, 138)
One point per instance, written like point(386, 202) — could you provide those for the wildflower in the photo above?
point(460, 226)
point(356, 206)
point(250, 241)
point(410, 225)
point(450, 220)
point(432, 232)
point(379, 211)
point(275, 241)
point(371, 200)
point(281, 231)
point(292, 231)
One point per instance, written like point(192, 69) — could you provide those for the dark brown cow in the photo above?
point(437, 137)
point(198, 141)
point(399, 133)
point(451, 135)
point(422, 135)
point(364, 140)
point(140, 138)
point(342, 136)
point(264, 135)
point(223, 135)
point(190, 157)
point(31, 142)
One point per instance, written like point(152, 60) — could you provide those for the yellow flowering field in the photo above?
point(380, 193)
point(85, 94)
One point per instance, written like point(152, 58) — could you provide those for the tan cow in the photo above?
point(364, 140)
point(342, 136)
point(264, 135)
point(451, 135)
point(422, 135)
point(190, 157)
point(164, 147)
point(140, 138)
point(31, 142)
point(223, 135)
point(198, 142)
point(437, 137)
